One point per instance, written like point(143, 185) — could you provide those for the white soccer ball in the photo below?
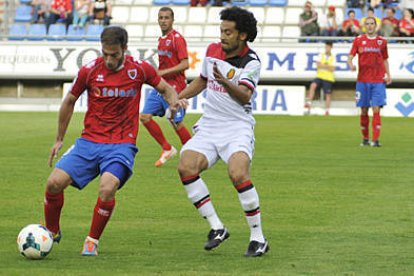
point(35, 241)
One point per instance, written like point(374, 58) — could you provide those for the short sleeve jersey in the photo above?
point(113, 99)
point(243, 69)
point(371, 55)
point(172, 48)
point(324, 74)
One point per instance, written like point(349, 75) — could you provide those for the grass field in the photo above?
point(329, 207)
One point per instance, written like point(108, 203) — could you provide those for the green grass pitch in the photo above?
point(329, 207)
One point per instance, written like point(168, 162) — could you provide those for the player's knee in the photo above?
point(54, 186)
point(144, 118)
point(237, 176)
point(186, 168)
point(107, 193)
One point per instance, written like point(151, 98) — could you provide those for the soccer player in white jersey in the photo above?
point(230, 73)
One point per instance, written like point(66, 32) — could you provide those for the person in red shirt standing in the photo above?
point(107, 145)
point(173, 61)
point(373, 75)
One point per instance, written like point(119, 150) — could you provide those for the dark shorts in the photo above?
point(325, 85)
point(156, 106)
point(85, 160)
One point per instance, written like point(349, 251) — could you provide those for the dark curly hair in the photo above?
point(245, 21)
point(114, 35)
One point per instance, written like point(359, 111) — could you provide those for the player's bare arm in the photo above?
point(193, 89)
point(239, 92)
point(65, 114)
point(182, 66)
point(170, 95)
point(350, 63)
point(387, 79)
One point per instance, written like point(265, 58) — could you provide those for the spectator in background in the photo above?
point(101, 10)
point(60, 10)
point(370, 13)
point(350, 26)
point(329, 23)
point(308, 21)
point(80, 13)
point(406, 25)
point(375, 4)
point(389, 26)
point(406, 4)
point(356, 3)
point(194, 3)
point(41, 10)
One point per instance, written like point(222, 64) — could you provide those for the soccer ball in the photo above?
point(35, 241)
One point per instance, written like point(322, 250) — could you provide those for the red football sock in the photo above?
point(52, 208)
point(156, 132)
point(101, 215)
point(365, 126)
point(376, 126)
point(184, 135)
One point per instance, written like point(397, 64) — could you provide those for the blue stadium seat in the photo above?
point(398, 14)
point(161, 2)
point(56, 32)
point(258, 3)
point(240, 2)
point(93, 33)
point(181, 2)
point(278, 3)
point(25, 2)
point(37, 32)
point(75, 34)
point(17, 32)
point(378, 13)
point(23, 14)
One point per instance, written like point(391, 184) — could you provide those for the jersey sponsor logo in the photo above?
point(214, 86)
point(114, 92)
point(369, 50)
point(132, 74)
point(231, 73)
point(168, 42)
point(165, 53)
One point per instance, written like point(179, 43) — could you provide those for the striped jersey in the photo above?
point(243, 69)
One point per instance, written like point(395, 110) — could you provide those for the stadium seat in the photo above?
point(153, 15)
point(36, 32)
point(25, 2)
point(56, 32)
point(275, 15)
point(193, 32)
point(17, 32)
point(120, 14)
point(181, 3)
point(211, 32)
point(318, 3)
point(280, 3)
point(161, 2)
point(135, 31)
point(378, 13)
point(270, 34)
point(336, 3)
point(23, 14)
point(260, 3)
point(139, 15)
point(292, 16)
point(259, 14)
point(127, 3)
point(240, 2)
point(93, 32)
point(180, 14)
point(398, 14)
point(75, 34)
point(143, 3)
point(214, 15)
point(296, 3)
point(290, 31)
point(152, 32)
point(198, 15)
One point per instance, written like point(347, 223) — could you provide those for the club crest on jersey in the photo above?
point(132, 74)
point(379, 42)
point(167, 42)
point(230, 74)
point(364, 42)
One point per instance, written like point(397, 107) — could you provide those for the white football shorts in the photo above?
point(221, 140)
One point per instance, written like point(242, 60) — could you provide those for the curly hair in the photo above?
point(114, 35)
point(245, 21)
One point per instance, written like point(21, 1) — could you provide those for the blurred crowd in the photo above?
point(384, 11)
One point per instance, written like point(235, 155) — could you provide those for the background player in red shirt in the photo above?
point(107, 145)
point(173, 61)
point(373, 74)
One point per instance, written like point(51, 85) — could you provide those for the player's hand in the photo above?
point(54, 151)
point(217, 74)
point(387, 80)
point(352, 67)
point(183, 103)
